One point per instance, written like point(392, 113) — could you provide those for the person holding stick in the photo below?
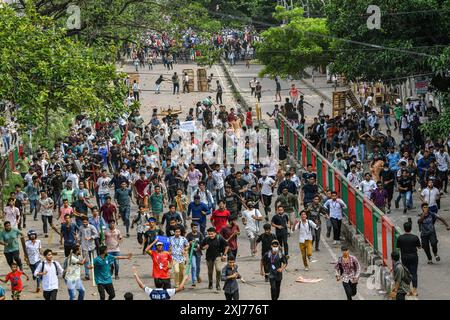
point(102, 272)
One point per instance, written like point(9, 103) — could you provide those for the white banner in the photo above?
point(187, 126)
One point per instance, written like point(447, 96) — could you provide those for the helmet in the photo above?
point(31, 232)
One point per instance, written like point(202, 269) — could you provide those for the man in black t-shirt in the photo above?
point(388, 179)
point(309, 190)
point(266, 239)
point(408, 244)
point(405, 189)
point(280, 222)
point(276, 262)
point(195, 238)
point(216, 252)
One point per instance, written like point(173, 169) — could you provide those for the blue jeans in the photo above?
point(195, 268)
point(406, 199)
point(362, 147)
point(433, 209)
point(387, 120)
point(6, 143)
point(116, 262)
point(89, 255)
point(33, 207)
point(102, 198)
point(75, 286)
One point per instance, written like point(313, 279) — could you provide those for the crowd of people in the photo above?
point(361, 144)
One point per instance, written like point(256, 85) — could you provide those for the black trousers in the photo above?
point(46, 220)
point(282, 239)
point(14, 257)
point(350, 289)
point(109, 288)
point(443, 175)
point(67, 250)
point(165, 283)
point(316, 237)
point(428, 240)
point(50, 295)
point(176, 88)
point(275, 286)
point(219, 98)
point(400, 296)
point(411, 264)
point(232, 296)
point(336, 224)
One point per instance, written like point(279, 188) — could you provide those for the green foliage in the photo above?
point(210, 55)
point(13, 178)
point(47, 72)
point(287, 50)
point(419, 26)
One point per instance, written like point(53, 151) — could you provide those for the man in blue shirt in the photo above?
point(199, 212)
point(123, 199)
point(393, 158)
point(69, 232)
point(102, 272)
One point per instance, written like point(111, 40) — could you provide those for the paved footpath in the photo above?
point(434, 280)
point(257, 289)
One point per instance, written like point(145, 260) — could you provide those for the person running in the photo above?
point(281, 223)
point(314, 212)
point(102, 272)
point(46, 210)
point(72, 273)
point(229, 276)
point(159, 293)
point(179, 247)
point(88, 234)
point(199, 212)
point(306, 230)
point(162, 264)
point(408, 244)
point(216, 252)
point(69, 233)
point(16, 282)
point(33, 249)
point(276, 263)
point(348, 270)
point(195, 238)
point(428, 234)
point(266, 185)
point(113, 238)
point(266, 239)
point(8, 238)
point(250, 219)
point(230, 233)
point(335, 207)
point(219, 217)
point(49, 271)
point(123, 200)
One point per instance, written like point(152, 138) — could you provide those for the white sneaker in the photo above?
point(334, 242)
point(306, 269)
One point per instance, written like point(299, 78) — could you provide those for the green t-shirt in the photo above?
point(157, 202)
point(67, 194)
point(10, 238)
point(102, 269)
point(151, 148)
point(398, 111)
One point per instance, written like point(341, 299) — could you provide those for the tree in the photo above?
point(287, 50)
point(44, 72)
point(412, 32)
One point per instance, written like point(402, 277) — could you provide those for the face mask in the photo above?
point(275, 249)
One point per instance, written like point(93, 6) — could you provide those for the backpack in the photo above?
point(407, 277)
point(43, 265)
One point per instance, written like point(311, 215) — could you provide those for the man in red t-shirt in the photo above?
point(230, 233)
point(16, 281)
point(219, 218)
point(140, 186)
point(108, 211)
point(162, 263)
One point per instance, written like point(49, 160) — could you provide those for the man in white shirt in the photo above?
point(250, 219)
point(335, 207)
point(354, 177)
point(49, 270)
point(430, 195)
point(442, 160)
point(219, 178)
point(103, 187)
point(367, 185)
point(306, 227)
point(266, 184)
